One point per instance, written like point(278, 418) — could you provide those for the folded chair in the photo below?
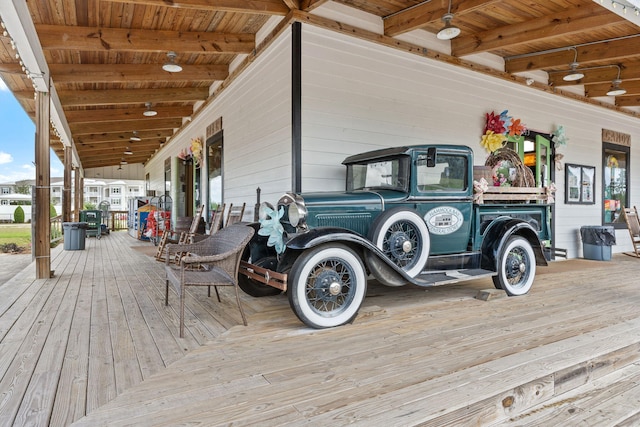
point(633, 225)
point(213, 262)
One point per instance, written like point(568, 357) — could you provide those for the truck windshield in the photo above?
point(380, 174)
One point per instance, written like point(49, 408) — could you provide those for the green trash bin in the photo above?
point(75, 234)
point(93, 218)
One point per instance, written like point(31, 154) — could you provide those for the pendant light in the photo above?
point(171, 65)
point(616, 90)
point(574, 74)
point(449, 31)
point(123, 161)
point(128, 152)
point(149, 112)
point(135, 137)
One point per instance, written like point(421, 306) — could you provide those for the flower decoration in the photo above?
point(558, 136)
point(612, 162)
point(498, 128)
point(270, 226)
point(192, 152)
point(492, 141)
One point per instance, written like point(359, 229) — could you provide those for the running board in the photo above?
point(453, 276)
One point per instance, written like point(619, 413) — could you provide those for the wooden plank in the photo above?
point(36, 403)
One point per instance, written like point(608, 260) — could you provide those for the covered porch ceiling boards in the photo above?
point(105, 57)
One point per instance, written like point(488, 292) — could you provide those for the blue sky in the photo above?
point(17, 146)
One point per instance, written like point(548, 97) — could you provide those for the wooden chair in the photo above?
point(235, 214)
point(216, 219)
point(633, 225)
point(184, 237)
point(212, 262)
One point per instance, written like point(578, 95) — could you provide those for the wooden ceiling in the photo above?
point(105, 56)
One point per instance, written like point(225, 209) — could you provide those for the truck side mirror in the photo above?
point(431, 157)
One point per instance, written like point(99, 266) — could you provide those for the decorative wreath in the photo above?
point(523, 177)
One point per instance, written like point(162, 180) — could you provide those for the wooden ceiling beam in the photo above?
point(11, 68)
point(632, 87)
point(261, 7)
point(630, 71)
point(108, 115)
point(309, 5)
point(100, 161)
point(126, 126)
point(78, 98)
point(617, 50)
point(159, 136)
point(562, 24)
point(628, 101)
point(126, 73)
point(419, 16)
point(117, 149)
point(92, 39)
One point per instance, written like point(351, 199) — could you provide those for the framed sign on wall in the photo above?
point(579, 184)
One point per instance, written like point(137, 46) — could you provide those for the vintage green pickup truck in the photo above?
point(407, 216)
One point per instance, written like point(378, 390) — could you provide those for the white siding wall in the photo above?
point(256, 122)
point(359, 96)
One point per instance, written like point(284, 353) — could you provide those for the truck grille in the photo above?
point(355, 222)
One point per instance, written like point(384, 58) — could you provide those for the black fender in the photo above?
point(320, 235)
point(499, 231)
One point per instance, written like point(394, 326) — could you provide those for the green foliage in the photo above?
point(52, 210)
point(22, 187)
point(18, 215)
point(88, 206)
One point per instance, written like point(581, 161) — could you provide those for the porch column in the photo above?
point(78, 194)
point(66, 191)
point(42, 235)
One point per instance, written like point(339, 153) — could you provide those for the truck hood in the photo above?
point(370, 197)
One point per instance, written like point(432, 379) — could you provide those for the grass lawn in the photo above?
point(20, 234)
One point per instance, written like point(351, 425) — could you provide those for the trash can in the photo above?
point(597, 241)
point(75, 234)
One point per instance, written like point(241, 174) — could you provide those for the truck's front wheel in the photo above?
point(516, 267)
point(327, 285)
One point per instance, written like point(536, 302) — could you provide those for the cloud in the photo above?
point(5, 158)
point(3, 86)
point(25, 171)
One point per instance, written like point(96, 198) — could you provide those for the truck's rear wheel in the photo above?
point(516, 267)
point(403, 236)
point(327, 285)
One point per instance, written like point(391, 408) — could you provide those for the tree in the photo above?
point(18, 215)
point(52, 210)
point(88, 206)
point(23, 187)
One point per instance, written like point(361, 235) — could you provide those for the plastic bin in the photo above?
point(597, 241)
point(75, 234)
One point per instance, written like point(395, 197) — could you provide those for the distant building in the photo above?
point(115, 192)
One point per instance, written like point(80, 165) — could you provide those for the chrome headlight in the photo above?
point(297, 214)
point(295, 209)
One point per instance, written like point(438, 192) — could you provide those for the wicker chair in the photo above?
point(211, 262)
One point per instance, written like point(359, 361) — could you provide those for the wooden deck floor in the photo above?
point(95, 345)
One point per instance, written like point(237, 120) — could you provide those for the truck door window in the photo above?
point(380, 174)
point(448, 174)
